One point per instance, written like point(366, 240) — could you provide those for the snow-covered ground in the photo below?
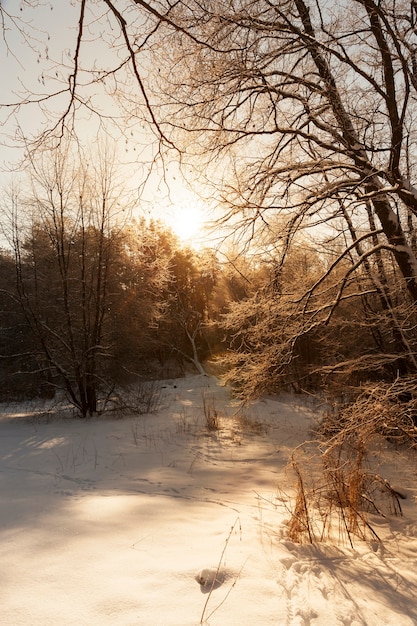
point(127, 522)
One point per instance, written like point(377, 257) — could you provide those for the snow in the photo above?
point(152, 520)
point(408, 186)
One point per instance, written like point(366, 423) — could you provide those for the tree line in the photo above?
point(94, 300)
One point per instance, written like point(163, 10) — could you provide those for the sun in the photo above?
point(188, 220)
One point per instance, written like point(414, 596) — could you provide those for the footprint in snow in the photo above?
point(210, 578)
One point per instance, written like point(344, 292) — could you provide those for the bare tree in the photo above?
point(66, 244)
point(193, 279)
point(312, 108)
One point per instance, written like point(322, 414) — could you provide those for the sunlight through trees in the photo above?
point(295, 119)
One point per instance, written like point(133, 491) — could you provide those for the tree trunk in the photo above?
point(390, 223)
point(395, 235)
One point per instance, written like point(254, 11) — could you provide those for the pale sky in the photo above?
point(37, 69)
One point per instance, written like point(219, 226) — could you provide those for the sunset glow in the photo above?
point(187, 223)
point(188, 220)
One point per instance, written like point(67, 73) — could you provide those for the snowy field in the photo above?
point(125, 522)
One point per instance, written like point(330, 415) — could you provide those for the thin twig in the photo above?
point(217, 572)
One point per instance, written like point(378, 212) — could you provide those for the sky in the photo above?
point(33, 65)
point(24, 64)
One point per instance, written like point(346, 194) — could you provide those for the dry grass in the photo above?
point(250, 425)
point(300, 524)
point(182, 423)
point(337, 506)
point(211, 415)
point(387, 409)
point(336, 498)
point(137, 399)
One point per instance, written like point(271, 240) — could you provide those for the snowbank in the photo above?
point(153, 520)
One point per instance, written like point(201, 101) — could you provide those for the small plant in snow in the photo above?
point(135, 432)
point(138, 399)
point(182, 424)
point(251, 425)
point(210, 414)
